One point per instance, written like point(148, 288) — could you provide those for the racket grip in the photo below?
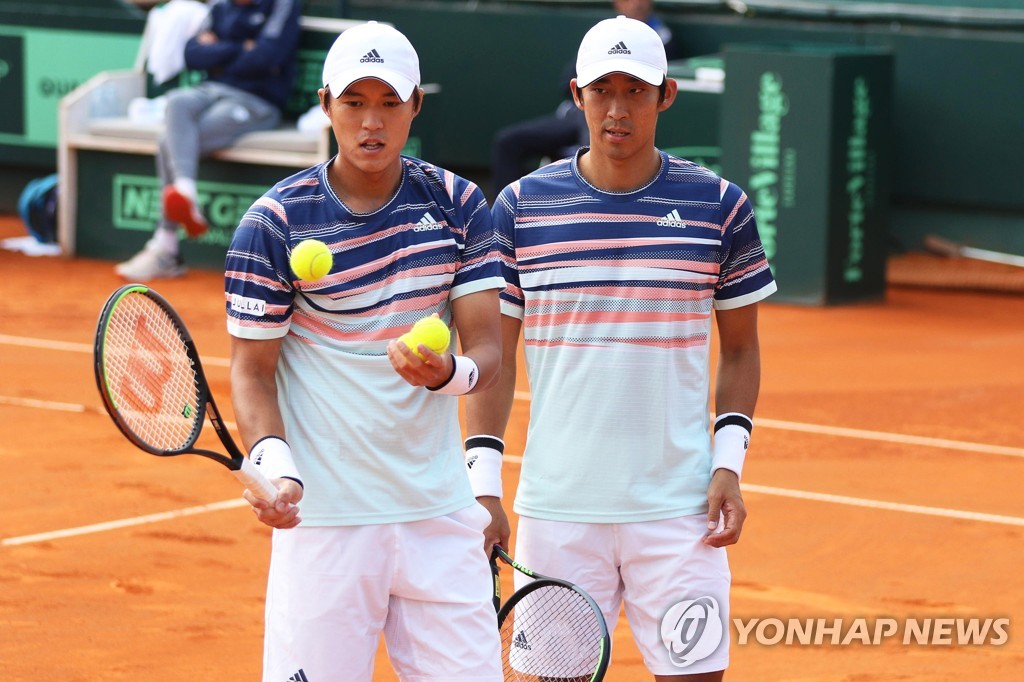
point(253, 479)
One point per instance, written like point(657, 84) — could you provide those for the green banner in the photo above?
point(39, 66)
point(137, 199)
point(809, 142)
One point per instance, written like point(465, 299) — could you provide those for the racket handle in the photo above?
point(496, 579)
point(253, 479)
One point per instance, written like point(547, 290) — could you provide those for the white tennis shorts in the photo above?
point(425, 585)
point(674, 587)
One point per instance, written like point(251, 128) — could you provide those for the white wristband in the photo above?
point(463, 377)
point(273, 458)
point(483, 465)
point(731, 440)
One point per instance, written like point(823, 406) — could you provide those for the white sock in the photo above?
point(186, 186)
point(166, 241)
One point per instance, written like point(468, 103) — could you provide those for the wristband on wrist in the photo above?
point(483, 465)
point(731, 440)
point(273, 458)
point(462, 379)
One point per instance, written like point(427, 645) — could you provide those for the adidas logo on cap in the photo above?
point(619, 48)
point(300, 676)
point(372, 56)
point(520, 642)
point(673, 219)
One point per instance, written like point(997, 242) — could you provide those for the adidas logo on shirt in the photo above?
point(426, 223)
point(521, 643)
point(372, 56)
point(620, 48)
point(298, 677)
point(673, 219)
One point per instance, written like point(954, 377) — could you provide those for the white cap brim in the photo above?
point(645, 72)
point(402, 86)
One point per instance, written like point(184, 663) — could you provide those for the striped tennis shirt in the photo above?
point(616, 292)
point(370, 447)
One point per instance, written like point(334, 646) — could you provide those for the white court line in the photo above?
point(26, 342)
point(864, 434)
point(878, 504)
point(891, 437)
point(525, 396)
point(518, 459)
point(43, 343)
point(123, 523)
point(42, 404)
point(843, 432)
point(861, 502)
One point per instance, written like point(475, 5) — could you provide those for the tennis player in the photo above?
point(351, 423)
point(617, 261)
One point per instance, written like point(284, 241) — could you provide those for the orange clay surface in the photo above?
point(180, 597)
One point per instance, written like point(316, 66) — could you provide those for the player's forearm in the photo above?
point(487, 357)
point(487, 412)
point(256, 411)
point(254, 389)
point(738, 381)
point(739, 361)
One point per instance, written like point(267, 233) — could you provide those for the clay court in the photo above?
point(884, 481)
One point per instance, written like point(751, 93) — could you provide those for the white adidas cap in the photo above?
point(372, 50)
point(621, 45)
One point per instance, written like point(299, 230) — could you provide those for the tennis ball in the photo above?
point(431, 331)
point(311, 259)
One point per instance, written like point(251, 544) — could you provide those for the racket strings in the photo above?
point(552, 634)
point(149, 374)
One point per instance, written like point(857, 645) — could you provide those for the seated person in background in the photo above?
point(248, 50)
point(559, 133)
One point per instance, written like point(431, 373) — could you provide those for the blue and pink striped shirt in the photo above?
point(370, 447)
point(616, 292)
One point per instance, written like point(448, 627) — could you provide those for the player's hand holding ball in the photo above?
point(421, 355)
point(431, 332)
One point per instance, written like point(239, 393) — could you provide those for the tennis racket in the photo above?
point(153, 386)
point(551, 630)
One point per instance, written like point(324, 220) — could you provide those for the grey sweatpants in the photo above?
point(203, 119)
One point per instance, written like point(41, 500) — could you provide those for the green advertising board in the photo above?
point(38, 66)
point(119, 199)
point(806, 134)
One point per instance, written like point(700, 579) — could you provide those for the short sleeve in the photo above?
point(503, 216)
point(745, 276)
point(258, 290)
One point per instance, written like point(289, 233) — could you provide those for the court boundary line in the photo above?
point(818, 429)
point(763, 422)
point(862, 502)
point(122, 523)
point(828, 498)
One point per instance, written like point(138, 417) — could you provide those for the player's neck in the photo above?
point(364, 191)
point(619, 175)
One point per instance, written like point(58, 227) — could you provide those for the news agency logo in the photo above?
point(692, 630)
point(872, 631)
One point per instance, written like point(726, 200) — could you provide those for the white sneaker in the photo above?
point(151, 263)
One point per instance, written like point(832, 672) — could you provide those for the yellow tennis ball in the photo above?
point(311, 259)
point(431, 331)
